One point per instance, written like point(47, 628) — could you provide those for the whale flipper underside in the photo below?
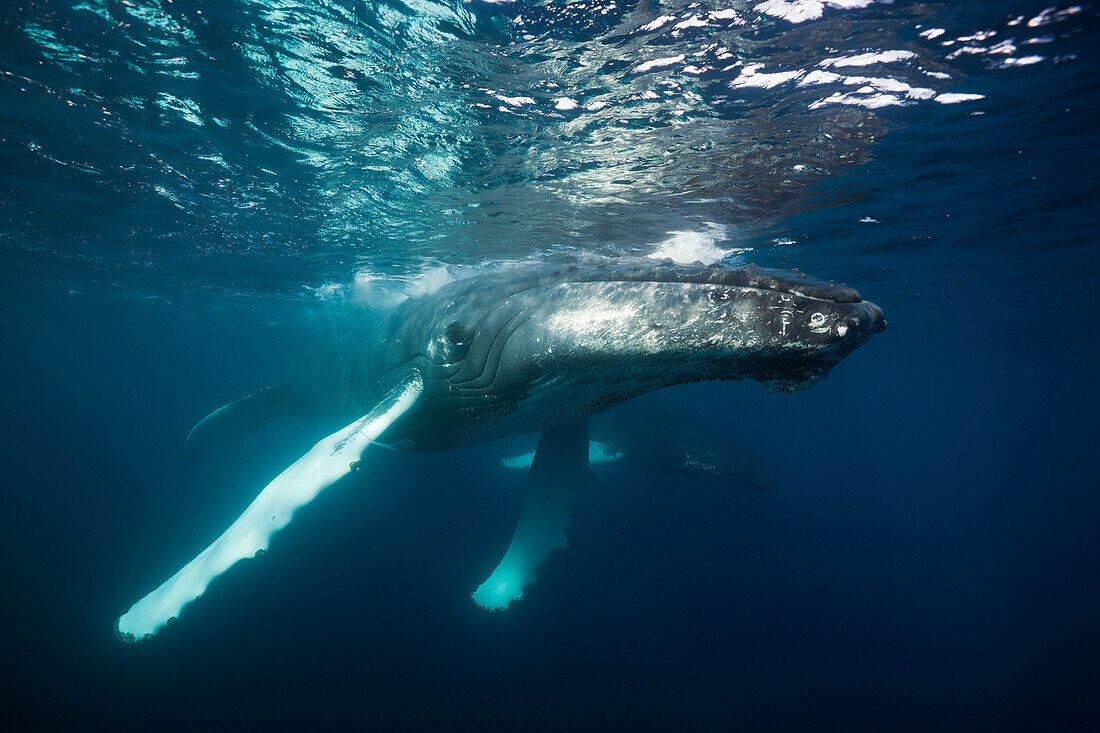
point(239, 418)
point(326, 463)
point(558, 472)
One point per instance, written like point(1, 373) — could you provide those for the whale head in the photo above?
point(534, 347)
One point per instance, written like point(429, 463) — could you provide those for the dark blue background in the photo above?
point(926, 558)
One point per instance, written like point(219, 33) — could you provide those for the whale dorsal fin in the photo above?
point(326, 463)
point(558, 472)
point(239, 418)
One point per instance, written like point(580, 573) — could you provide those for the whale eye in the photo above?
point(456, 333)
point(454, 342)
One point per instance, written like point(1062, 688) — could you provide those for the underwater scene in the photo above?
point(533, 365)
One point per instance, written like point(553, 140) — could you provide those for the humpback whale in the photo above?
point(523, 348)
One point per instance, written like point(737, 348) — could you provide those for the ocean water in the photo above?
point(190, 192)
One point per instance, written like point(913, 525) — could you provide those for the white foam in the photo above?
point(799, 11)
point(820, 77)
point(955, 98)
point(1005, 47)
point(657, 23)
point(880, 83)
point(1023, 60)
point(657, 64)
point(693, 22)
point(432, 279)
point(565, 104)
point(1052, 15)
point(888, 84)
point(330, 292)
point(376, 292)
point(752, 77)
point(862, 98)
point(686, 247)
point(867, 59)
point(515, 101)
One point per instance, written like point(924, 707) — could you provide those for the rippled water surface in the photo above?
point(189, 191)
point(270, 148)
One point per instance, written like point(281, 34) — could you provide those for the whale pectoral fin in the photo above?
point(239, 418)
point(558, 471)
point(325, 463)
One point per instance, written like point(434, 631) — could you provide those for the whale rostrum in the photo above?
point(524, 348)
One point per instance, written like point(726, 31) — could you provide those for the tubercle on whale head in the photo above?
point(794, 281)
point(692, 322)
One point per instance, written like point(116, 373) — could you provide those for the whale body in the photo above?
point(523, 348)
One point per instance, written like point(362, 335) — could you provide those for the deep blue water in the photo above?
point(191, 192)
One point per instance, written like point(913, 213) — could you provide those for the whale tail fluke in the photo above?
point(239, 418)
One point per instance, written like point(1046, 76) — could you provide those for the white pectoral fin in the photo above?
point(558, 471)
point(325, 463)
